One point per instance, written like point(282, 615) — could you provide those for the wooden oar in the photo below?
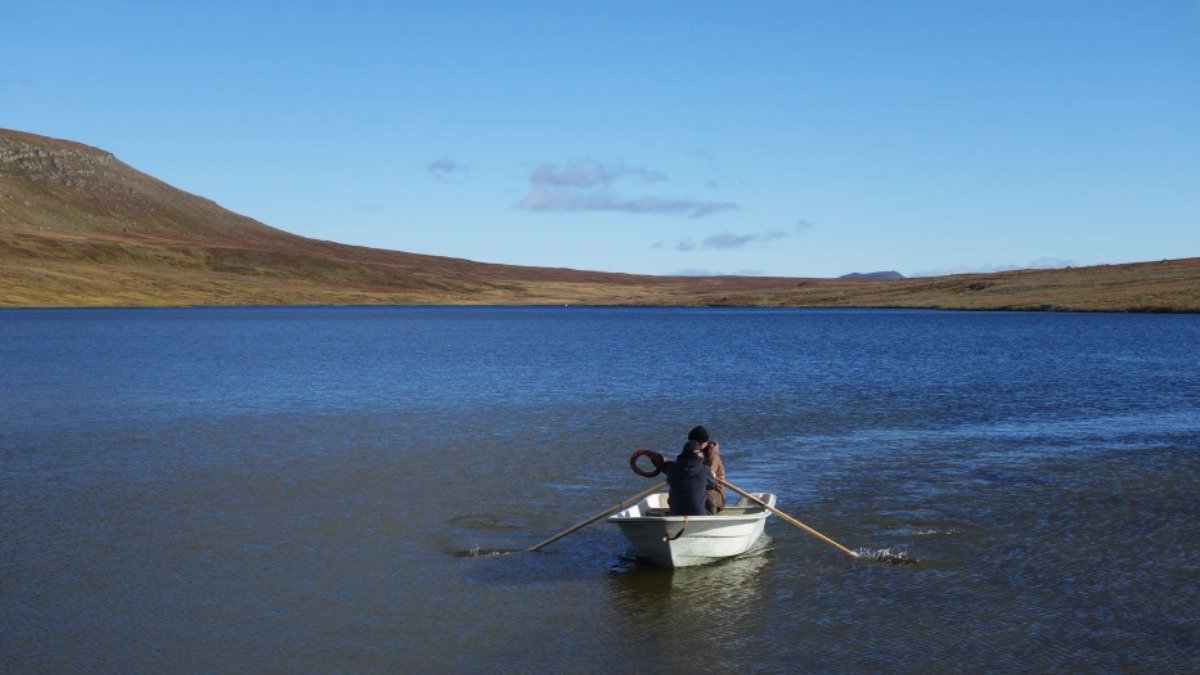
point(789, 519)
point(625, 504)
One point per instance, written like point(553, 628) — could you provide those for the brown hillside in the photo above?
point(80, 228)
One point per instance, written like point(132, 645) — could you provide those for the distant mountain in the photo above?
point(873, 276)
point(79, 228)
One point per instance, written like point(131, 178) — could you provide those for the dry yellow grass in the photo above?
point(1172, 286)
point(80, 229)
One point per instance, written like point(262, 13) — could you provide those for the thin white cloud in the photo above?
point(701, 209)
point(988, 268)
point(590, 174)
point(728, 240)
point(587, 186)
point(444, 167)
point(725, 240)
point(543, 200)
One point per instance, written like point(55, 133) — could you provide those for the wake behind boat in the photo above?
point(684, 541)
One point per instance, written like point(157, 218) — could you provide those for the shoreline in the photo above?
point(443, 305)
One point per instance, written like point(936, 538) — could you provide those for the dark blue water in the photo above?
point(298, 489)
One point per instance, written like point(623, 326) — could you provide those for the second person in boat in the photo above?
point(714, 498)
point(691, 479)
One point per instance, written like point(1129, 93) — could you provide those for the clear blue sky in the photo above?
point(787, 138)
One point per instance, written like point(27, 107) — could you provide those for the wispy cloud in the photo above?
point(444, 168)
point(590, 174)
point(987, 268)
point(587, 186)
point(724, 240)
point(729, 240)
point(369, 207)
point(540, 199)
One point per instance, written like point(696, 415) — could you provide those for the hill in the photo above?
point(890, 275)
point(79, 228)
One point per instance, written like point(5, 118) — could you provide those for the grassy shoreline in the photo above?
point(1164, 287)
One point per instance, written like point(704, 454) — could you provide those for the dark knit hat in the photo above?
point(699, 434)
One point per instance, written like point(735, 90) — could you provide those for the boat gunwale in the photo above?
point(679, 519)
point(754, 512)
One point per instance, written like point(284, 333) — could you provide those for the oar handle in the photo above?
point(788, 518)
point(631, 500)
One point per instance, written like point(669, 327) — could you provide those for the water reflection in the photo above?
point(658, 597)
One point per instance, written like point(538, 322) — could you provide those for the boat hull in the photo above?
point(704, 539)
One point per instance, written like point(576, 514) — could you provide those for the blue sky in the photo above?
point(789, 138)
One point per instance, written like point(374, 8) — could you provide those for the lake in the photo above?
point(321, 489)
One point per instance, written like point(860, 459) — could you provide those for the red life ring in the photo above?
point(659, 462)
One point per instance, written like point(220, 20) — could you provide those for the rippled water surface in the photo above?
point(302, 489)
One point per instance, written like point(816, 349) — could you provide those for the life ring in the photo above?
point(659, 462)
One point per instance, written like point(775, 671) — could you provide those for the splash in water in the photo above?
point(891, 555)
point(930, 532)
point(477, 552)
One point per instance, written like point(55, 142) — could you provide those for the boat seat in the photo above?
point(738, 510)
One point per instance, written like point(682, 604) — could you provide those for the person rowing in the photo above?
point(691, 480)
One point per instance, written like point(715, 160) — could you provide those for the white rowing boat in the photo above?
point(657, 537)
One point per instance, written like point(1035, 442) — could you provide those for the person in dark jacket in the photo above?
point(689, 479)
